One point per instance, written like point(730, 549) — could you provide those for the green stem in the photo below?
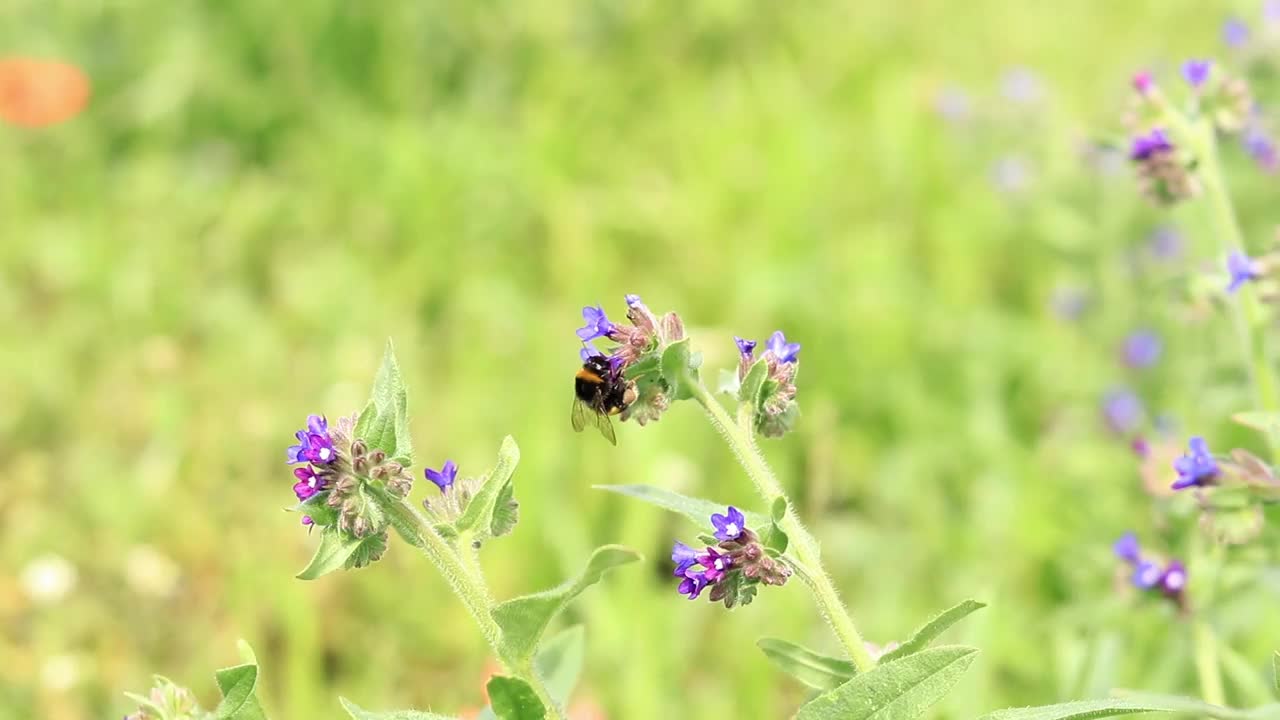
point(803, 545)
point(1207, 666)
point(461, 569)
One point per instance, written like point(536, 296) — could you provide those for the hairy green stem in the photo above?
point(461, 569)
point(739, 436)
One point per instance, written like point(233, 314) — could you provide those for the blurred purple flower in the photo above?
point(1069, 302)
point(1165, 243)
point(1197, 467)
point(1141, 349)
point(1261, 147)
point(1146, 574)
point(1174, 579)
point(1126, 548)
point(1142, 82)
point(444, 477)
point(1242, 269)
point(1122, 410)
point(1234, 32)
point(1145, 146)
point(1196, 72)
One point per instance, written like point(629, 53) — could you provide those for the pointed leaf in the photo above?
point(523, 619)
point(900, 690)
point(513, 699)
point(696, 509)
point(559, 662)
point(820, 672)
point(1267, 422)
point(1187, 705)
point(368, 549)
point(359, 713)
point(316, 507)
point(680, 369)
point(384, 422)
point(506, 512)
point(921, 638)
point(479, 512)
point(332, 554)
point(749, 391)
point(1082, 710)
point(238, 685)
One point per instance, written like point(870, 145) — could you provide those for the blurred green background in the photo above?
point(261, 193)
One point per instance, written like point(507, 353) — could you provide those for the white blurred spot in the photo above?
point(61, 672)
point(150, 572)
point(48, 578)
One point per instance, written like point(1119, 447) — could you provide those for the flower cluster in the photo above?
point(168, 701)
point(1163, 174)
point(638, 345)
point(778, 410)
point(1170, 579)
point(733, 568)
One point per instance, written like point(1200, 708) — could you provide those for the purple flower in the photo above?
point(693, 584)
point(1174, 579)
point(1196, 72)
point(444, 477)
point(1126, 548)
point(1165, 243)
point(306, 520)
point(597, 326)
point(1141, 349)
point(1146, 574)
point(747, 348)
point(716, 564)
point(589, 351)
point(1234, 32)
point(309, 483)
point(1197, 467)
point(1069, 302)
point(784, 351)
point(1153, 143)
point(1142, 82)
point(1262, 148)
point(684, 557)
point(1122, 410)
point(632, 300)
point(1242, 269)
point(314, 444)
point(730, 526)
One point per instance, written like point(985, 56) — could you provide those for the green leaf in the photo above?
point(238, 685)
point(749, 391)
point(384, 422)
point(696, 509)
point(1267, 422)
point(559, 662)
point(728, 382)
point(921, 638)
point(680, 369)
point(778, 509)
point(1275, 669)
point(332, 554)
point(506, 512)
point(368, 549)
point(1081, 710)
point(1186, 705)
point(513, 699)
point(900, 690)
point(523, 619)
point(359, 713)
point(818, 671)
point(647, 365)
point(479, 512)
point(773, 536)
point(317, 508)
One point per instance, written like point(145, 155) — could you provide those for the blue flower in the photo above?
point(1146, 574)
point(1261, 148)
point(1242, 269)
point(1146, 146)
point(444, 477)
point(694, 582)
point(729, 526)
point(747, 348)
point(1142, 349)
point(1122, 410)
point(1126, 548)
point(597, 326)
point(1197, 467)
point(589, 351)
point(1234, 32)
point(684, 557)
point(784, 351)
point(1196, 72)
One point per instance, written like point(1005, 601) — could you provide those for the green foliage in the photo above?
point(479, 516)
point(559, 662)
point(513, 699)
point(368, 549)
point(506, 512)
point(697, 510)
point(899, 690)
point(384, 421)
point(750, 390)
point(818, 671)
point(334, 551)
point(239, 685)
point(524, 619)
point(358, 713)
point(1193, 706)
point(1080, 710)
point(937, 625)
point(680, 369)
point(1275, 670)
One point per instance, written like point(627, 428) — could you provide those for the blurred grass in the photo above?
point(261, 193)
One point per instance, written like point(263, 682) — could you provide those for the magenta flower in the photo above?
point(309, 483)
point(716, 564)
point(314, 444)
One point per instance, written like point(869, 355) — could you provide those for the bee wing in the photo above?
point(583, 415)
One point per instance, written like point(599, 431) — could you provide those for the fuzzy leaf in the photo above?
point(513, 699)
point(696, 509)
point(384, 422)
point(559, 662)
point(359, 713)
point(238, 685)
point(921, 638)
point(645, 366)
point(728, 382)
point(1194, 706)
point(680, 369)
point(335, 547)
point(1081, 710)
point(749, 391)
point(506, 512)
point(317, 508)
point(778, 509)
point(479, 512)
point(900, 690)
point(818, 671)
point(524, 619)
point(368, 549)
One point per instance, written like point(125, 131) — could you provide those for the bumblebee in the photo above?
point(599, 391)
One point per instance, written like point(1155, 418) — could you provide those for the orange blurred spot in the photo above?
point(36, 93)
